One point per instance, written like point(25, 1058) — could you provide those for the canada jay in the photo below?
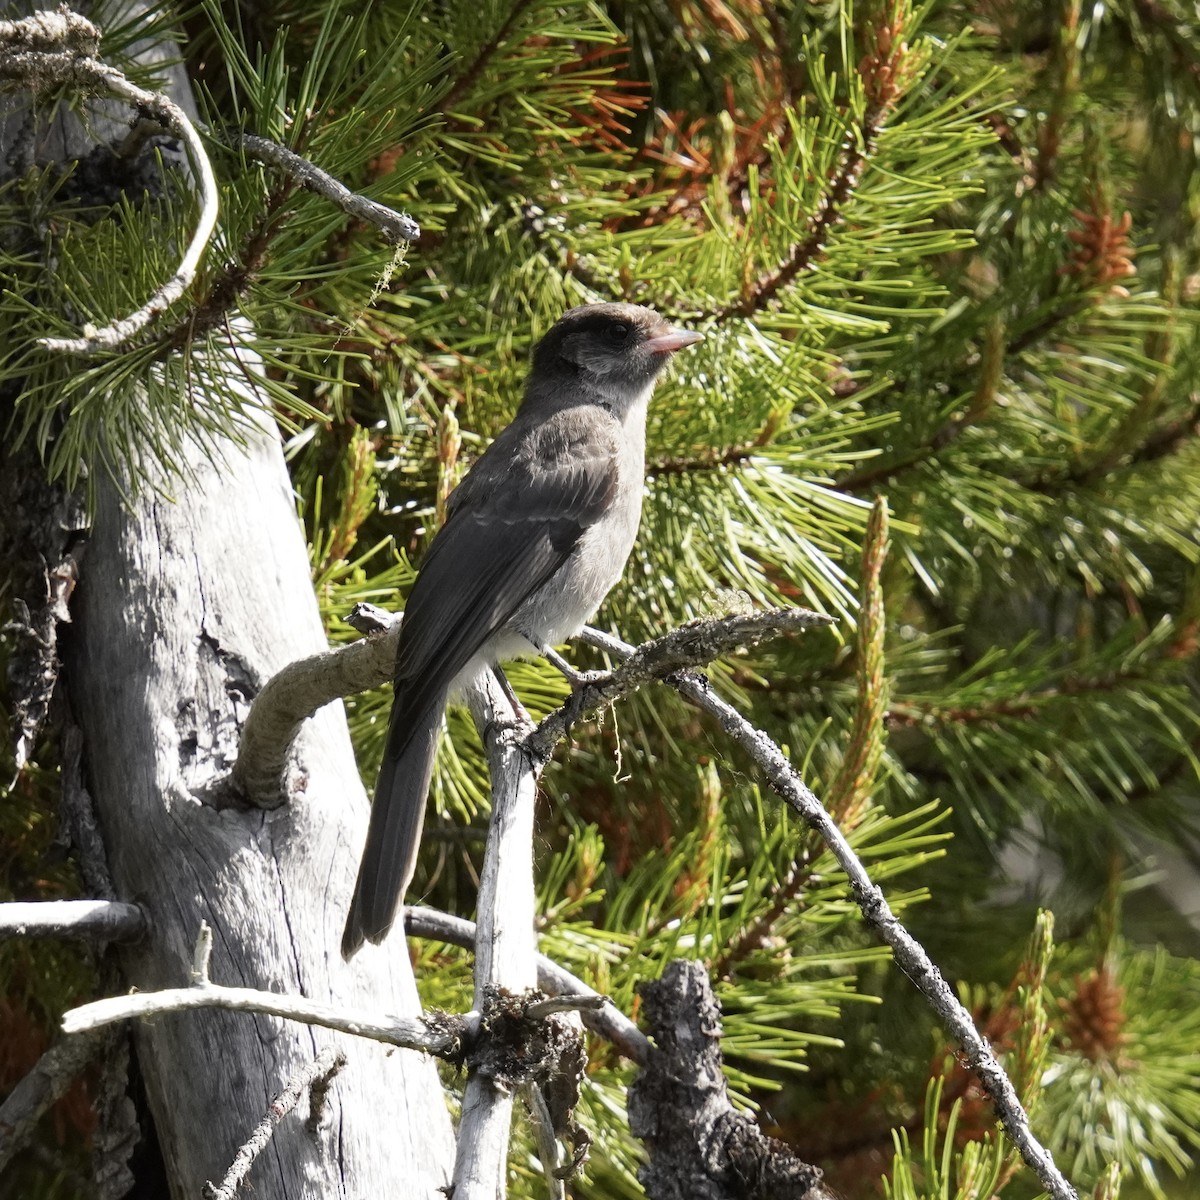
point(535, 536)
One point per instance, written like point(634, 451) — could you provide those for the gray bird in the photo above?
point(536, 535)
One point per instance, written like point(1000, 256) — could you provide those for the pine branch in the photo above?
point(850, 791)
point(487, 51)
point(857, 147)
point(884, 71)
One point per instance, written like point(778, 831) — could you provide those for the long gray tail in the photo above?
point(394, 833)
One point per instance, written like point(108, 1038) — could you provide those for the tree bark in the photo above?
point(183, 610)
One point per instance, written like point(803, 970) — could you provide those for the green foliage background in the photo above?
point(942, 255)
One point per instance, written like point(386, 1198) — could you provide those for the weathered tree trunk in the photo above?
point(185, 606)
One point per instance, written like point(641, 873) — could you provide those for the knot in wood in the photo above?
point(514, 1048)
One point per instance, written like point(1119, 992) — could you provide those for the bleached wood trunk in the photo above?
point(185, 606)
point(182, 608)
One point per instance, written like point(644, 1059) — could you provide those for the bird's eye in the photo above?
point(618, 332)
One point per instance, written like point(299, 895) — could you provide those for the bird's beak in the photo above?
point(672, 340)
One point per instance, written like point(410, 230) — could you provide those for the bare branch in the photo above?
point(548, 1147)
point(299, 689)
point(395, 227)
point(54, 49)
point(608, 1021)
point(505, 949)
point(92, 920)
point(440, 1034)
point(314, 1075)
point(558, 1004)
point(910, 956)
point(291, 696)
point(691, 645)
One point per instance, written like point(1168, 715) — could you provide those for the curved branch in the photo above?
point(296, 691)
point(54, 49)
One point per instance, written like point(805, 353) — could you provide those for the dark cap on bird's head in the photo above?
point(616, 344)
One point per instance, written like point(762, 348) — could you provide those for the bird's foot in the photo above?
point(577, 679)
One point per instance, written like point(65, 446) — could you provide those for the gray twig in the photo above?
point(395, 227)
point(691, 645)
point(440, 1034)
point(505, 946)
point(315, 1074)
point(548, 1147)
point(910, 956)
point(557, 1004)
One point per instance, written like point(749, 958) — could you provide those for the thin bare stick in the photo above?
point(505, 948)
point(910, 956)
point(607, 1021)
point(557, 1004)
point(396, 228)
point(314, 1074)
point(441, 1034)
point(548, 1146)
point(90, 920)
point(54, 49)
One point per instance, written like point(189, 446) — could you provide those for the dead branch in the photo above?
point(314, 1077)
point(910, 956)
point(608, 1021)
point(440, 1034)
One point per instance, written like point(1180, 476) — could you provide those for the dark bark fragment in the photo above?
point(699, 1147)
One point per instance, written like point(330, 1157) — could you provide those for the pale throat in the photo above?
point(629, 407)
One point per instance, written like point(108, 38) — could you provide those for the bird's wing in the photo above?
point(512, 523)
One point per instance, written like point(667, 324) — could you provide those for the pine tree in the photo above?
point(941, 256)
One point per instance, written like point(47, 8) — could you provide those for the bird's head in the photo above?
point(615, 350)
